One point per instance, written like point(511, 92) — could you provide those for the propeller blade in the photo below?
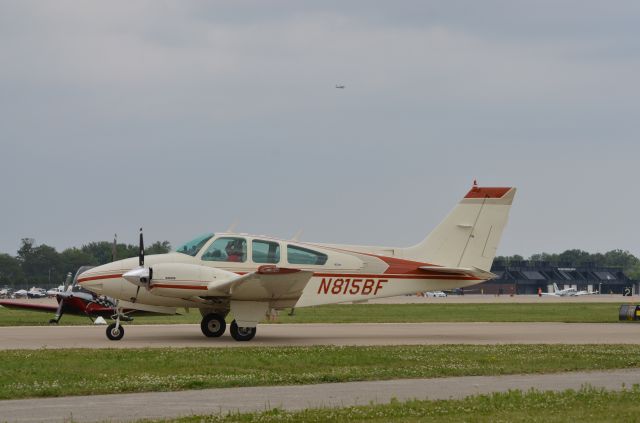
point(67, 281)
point(141, 251)
point(58, 314)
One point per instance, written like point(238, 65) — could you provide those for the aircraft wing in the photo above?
point(29, 306)
point(146, 310)
point(463, 271)
point(580, 293)
point(267, 282)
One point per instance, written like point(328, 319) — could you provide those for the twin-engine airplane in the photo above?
point(250, 275)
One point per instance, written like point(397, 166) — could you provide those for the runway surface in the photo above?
point(140, 336)
point(127, 407)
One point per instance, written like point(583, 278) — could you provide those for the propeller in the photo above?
point(140, 276)
point(69, 284)
point(61, 296)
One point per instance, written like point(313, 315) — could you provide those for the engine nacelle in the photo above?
point(183, 280)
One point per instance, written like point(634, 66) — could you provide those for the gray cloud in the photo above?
point(185, 116)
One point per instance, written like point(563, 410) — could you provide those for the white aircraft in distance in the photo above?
point(567, 292)
point(340, 86)
point(250, 276)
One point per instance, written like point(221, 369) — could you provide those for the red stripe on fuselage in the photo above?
point(170, 286)
point(95, 278)
point(388, 276)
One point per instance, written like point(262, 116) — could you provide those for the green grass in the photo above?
point(401, 313)
point(47, 373)
point(584, 405)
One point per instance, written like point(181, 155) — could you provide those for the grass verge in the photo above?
point(391, 313)
point(48, 373)
point(585, 405)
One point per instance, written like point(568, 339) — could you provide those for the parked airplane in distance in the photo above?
point(75, 300)
point(340, 86)
point(567, 292)
point(251, 275)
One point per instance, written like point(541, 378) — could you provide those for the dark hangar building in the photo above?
point(526, 277)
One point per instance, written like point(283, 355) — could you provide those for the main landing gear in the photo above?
point(242, 334)
point(213, 325)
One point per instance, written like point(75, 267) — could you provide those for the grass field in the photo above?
point(585, 405)
point(362, 313)
point(46, 373)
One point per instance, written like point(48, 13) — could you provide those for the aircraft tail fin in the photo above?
point(469, 236)
point(555, 287)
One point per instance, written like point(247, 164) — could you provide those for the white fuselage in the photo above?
point(345, 276)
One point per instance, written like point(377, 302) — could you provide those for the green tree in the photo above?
point(73, 258)
point(100, 251)
point(103, 251)
point(41, 264)
point(10, 271)
point(574, 258)
point(620, 258)
point(158, 248)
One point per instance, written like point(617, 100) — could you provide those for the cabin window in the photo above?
point(229, 249)
point(265, 251)
point(192, 247)
point(299, 255)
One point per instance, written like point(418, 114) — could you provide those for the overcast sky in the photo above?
point(184, 116)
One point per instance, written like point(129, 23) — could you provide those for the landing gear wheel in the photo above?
point(213, 325)
point(113, 333)
point(242, 334)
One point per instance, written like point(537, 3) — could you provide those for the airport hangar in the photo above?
point(526, 277)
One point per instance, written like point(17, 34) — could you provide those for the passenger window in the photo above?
point(265, 251)
point(229, 249)
point(299, 255)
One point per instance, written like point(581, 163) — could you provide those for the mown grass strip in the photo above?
point(585, 405)
point(46, 373)
point(391, 313)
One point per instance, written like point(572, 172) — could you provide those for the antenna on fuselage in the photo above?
point(232, 227)
point(114, 247)
point(296, 236)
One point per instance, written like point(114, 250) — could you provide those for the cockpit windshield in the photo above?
point(192, 247)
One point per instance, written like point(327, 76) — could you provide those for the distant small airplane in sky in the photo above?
point(340, 86)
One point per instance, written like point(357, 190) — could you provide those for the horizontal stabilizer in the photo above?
point(466, 271)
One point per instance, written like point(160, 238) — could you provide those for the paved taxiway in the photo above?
point(127, 407)
point(139, 336)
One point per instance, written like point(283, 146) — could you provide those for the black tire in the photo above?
point(242, 334)
point(213, 325)
point(115, 334)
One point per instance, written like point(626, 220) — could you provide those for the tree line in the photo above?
point(43, 266)
point(621, 259)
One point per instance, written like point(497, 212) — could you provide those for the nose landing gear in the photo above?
point(115, 331)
